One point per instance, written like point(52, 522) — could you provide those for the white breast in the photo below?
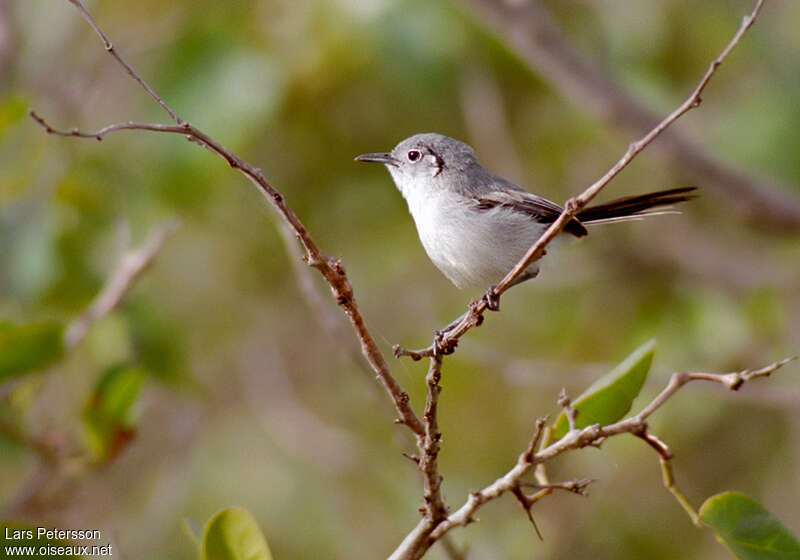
point(473, 248)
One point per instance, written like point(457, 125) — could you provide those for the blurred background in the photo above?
point(253, 392)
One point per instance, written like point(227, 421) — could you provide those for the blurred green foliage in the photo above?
point(246, 399)
point(28, 347)
point(110, 414)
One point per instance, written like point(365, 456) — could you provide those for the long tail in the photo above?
point(635, 207)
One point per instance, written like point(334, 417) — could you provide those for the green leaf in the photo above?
point(609, 398)
point(29, 347)
point(233, 534)
point(30, 545)
point(750, 531)
point(110, 414)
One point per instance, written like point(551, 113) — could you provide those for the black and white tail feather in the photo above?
point(545, 212)
point(636, 207)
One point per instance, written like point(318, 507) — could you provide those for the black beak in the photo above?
point(388, 159)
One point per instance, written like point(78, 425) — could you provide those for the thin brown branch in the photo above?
point(331, 269)
point(103, 132)
point(730, 380)
point(539, 429)
point(474, 315)
point(574, 439)
point(435, 508)
point(530, 31)
point(129, 267)
point(653, 441)
point(527, 501)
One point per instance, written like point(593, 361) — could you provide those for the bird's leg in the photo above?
point(492, 299)
point(442, 346)
point(527, 275)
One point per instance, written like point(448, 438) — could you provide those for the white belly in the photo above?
point(473, 248)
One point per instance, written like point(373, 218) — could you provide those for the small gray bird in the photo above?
point(475, 225)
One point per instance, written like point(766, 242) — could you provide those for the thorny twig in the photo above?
point(527, 501)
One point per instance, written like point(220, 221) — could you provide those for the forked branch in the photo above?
point(585, 437)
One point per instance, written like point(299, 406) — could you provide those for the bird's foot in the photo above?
point(442, 346)
point(492, 299)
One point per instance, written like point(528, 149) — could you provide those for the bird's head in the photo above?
point(425, 162)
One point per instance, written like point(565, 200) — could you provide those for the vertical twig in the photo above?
point(429, 450)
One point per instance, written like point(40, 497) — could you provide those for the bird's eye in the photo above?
point(414, 155)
